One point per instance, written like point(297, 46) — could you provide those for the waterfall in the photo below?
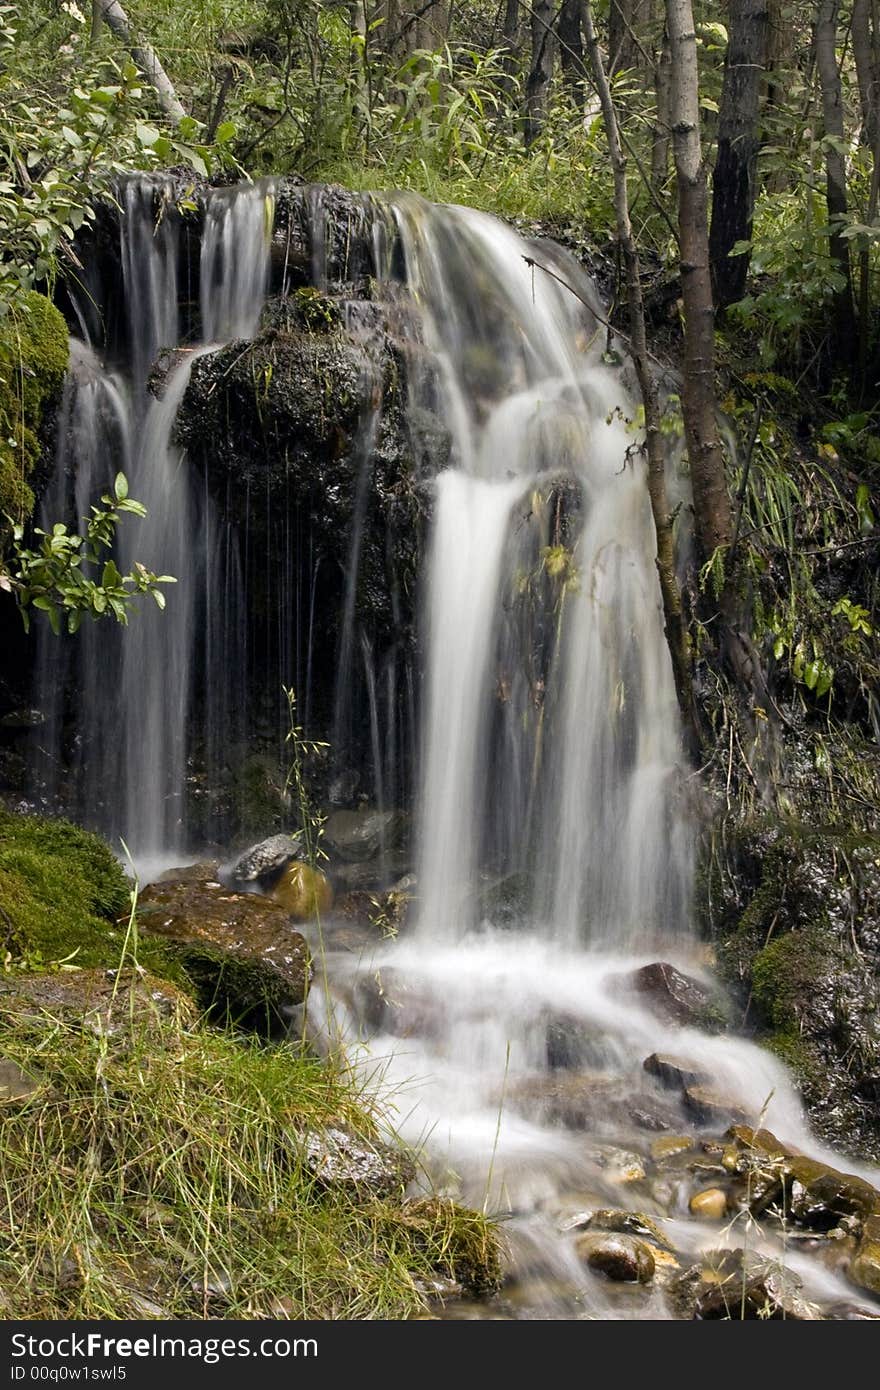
point(593, 735)
point(134, 691)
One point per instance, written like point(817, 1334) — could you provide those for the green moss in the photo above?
point(785, 972)
point(62, 895)
point(33, 361)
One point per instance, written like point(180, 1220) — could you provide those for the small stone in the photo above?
point(709, 1205)
point(338, 1159)
point(304, 892)
point(619, 1257)
point(670, 1145)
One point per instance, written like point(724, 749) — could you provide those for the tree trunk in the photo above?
point(712, 512)
point(510, 43)
point(733, 184)
point(663, 95)
point(676, 632)
point(629, 23)
point(115, 18)
point(571, 49)
point(541, 71)
point(835, 173)
point(866, 52)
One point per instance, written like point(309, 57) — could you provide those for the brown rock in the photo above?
point(239, 948)
point(674, 1072)
point(622, 1258)
point(865, 1268)
point(206, 871)
point(304, 892)
point(709, 1106)
point(709, 1205)
point(671, 1145)
point(671, 995)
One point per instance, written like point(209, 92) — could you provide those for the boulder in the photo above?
point(622, 1258)
point(670, 995)
point(266, 859)
point(739, 1285)
point(865, 1267)
point(710, 1106)
point(205, 871)
point(814, 1194)
point(239, 949)
point(363, 834)
point(619, 1222)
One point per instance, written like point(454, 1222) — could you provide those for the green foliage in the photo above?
point(56, 577)
point(73, 118)
point(33, 360)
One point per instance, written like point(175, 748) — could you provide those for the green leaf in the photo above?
point(147, 134)
point(71, 137)
point(225, 132)
point(159, 597)
point(120, 487)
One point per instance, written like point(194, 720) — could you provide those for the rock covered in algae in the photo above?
point(238, 948)
point(304, 892)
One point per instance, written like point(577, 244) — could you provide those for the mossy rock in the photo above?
point(796, 913)
point(64, 897)
point(239, 950)
point(33, 361)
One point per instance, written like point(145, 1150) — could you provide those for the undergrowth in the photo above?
point(159, 1170)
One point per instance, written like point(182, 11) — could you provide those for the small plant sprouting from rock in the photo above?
point(55, 577)
point(310, 818)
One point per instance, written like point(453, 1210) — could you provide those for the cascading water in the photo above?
point(554, 844)
point(136, 695)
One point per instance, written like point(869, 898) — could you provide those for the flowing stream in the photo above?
point(554, 847)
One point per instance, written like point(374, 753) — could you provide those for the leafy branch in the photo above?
point(56, 577)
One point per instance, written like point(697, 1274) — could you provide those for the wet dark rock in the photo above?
point(670, 994)
point(239, 949)
point(865, 1267)
point(571, 1044)
point(341, 1160)
point(363, 834)
point(618, 1221)
point(796, 910)
point(571, 1100)
point(388, 1002)
point(811, 1193)
point(266, 859)
point(673, 1072)
point(740, 1285)
point(622, 1258)
point(23, 719)
point(709, 1106)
